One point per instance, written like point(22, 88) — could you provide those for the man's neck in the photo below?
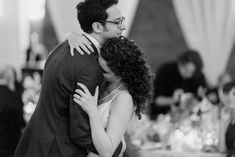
point(98, 38)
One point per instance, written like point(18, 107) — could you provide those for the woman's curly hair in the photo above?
point(127, 60)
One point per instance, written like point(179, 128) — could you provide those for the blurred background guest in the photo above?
point(11, 112)
point(227, 120)
point(176, 78)
point(36, 53)
point(212, 94)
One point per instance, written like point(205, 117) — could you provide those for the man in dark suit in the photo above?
point(59, 127)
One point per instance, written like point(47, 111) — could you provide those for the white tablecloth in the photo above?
point(167, 153)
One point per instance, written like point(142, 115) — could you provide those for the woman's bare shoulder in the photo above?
point(123, 101)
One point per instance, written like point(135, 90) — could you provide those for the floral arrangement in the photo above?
point(194, 126)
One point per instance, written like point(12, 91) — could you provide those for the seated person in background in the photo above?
point(11, 112)
point(176, 78)
point(227, 120)
point(37, 53)
point(212, 93)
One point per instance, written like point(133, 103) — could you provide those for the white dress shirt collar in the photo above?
point(94, 41)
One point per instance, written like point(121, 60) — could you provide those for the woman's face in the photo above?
point(228, 99)
point(187, 70)
point(107, 72)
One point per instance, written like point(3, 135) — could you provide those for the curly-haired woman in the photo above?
point(127, 90)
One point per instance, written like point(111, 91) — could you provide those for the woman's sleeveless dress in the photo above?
point(104, 110)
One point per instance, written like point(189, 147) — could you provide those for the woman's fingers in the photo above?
point(87, 44)
point(80, 92)
point(80, 104)
point(84, 88)
point(89, 47)
point(92, 155)
point(80, 101)
point(77, 101)
point(84, 48)
point(76, 96)
point(71, 50)
point(77, 47)
point(80, 43)
point(96, 92)
point(80, 98)
point(84, 45)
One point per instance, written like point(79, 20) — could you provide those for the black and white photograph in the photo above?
point(117, 78)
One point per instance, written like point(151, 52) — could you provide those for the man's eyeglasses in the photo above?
point(118, 22)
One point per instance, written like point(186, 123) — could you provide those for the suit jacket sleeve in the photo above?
point(79, 122)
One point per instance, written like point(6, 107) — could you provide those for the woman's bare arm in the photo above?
point(121, 112)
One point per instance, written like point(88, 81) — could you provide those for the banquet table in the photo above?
point(169, 153)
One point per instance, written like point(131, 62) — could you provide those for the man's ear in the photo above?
point(97, 27)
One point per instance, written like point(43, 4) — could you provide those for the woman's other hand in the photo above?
point(80, 43)
point(92, 155)
point(87, 102)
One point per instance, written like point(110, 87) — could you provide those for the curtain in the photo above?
point(208, 27)
point(14, 33)
point(63, 15)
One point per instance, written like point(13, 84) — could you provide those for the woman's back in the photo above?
point(104, 112)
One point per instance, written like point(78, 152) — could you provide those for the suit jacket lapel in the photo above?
point(96, 54)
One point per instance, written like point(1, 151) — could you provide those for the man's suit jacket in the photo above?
point(59, 127)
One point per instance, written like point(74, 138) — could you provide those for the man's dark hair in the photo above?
point(90, 11)
point(191, 56)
